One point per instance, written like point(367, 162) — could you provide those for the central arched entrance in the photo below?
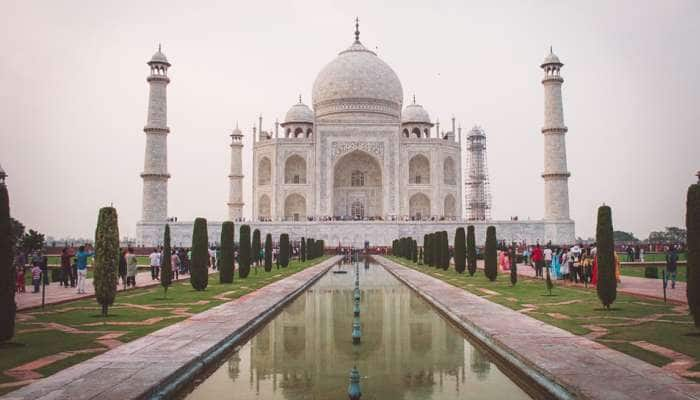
point(357, 186)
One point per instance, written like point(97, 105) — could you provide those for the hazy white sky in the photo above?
point(73, 96)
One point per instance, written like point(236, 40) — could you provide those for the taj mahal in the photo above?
point(359, 165)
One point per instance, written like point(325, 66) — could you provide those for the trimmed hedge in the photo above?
point(607, 283)
point(166, 262)
point(471, 250)
point(199, 264)
point(460, 251)
point(256, 246)
point(284, 250)
point(268, 252)
point(490, 254)
point(692, 224)
point(244, 252)
point(106, 258)
point(227, 262)
point(8, 308)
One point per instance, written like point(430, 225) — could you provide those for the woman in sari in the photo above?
point(556, 265)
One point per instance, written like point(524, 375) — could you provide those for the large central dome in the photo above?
point(357, 82)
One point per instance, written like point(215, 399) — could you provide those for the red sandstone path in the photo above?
point(633, 285)
point(56, 294)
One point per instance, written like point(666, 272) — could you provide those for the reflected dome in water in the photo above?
point(408, 351)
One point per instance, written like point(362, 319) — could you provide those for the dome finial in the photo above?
point(299, 98)
point(550, 50)
point(414, 98)
point(357, 29)
point(158, 47)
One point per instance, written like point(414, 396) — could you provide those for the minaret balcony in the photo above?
point(158, 78)
point(155, 175)
point(553, 79)
point(156, 129)
point(554, 130)
point(556, 175)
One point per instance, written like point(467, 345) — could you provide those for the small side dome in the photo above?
point(300, 113)
point(415, 113)
point(159, 58)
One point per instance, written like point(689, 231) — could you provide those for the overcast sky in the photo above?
point(73, 96)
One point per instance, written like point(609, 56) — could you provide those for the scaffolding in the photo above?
point(478, 196)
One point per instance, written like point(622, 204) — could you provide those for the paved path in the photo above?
point(56, 294)
point(570, 366)
point(644, 287)
point(154, 363)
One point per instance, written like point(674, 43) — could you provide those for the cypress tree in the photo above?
point(227, 263)
point(199, 264)
point(692, 224)
point(302, 250)
point(166, 264)
point(444, 250)
point(106, 257)
point(420, 256)
point(284, 250)
point(268, 252)
point(310, 248)
point(424, 250)
point(607, 283)
point(513, 268)
point(414, 246)
point(321, 247)
point(490, 256)
point(256, 247)
point(460, 249)
point(244, 252)
point(430, 250)
point(393, 247)
point(471, 250)
point(8, 308)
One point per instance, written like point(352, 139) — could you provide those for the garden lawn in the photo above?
point(639, 272)
point(77, 325)
point(579, 311)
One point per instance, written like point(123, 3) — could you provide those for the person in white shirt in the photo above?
point(548, 257)
point(155, 264)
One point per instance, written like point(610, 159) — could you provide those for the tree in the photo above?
point(166, 264)
point(692, 223)
point(284, 250)
point(490, 256)
point(460, 249)
point(244, 252)
point(302, 249)
point(199, 264)
point(444, 251)
point(607, 283)
point(227, 265)
point(268, 252)
point(17, 231)
point(256, 247)
point(8, 308)
point(106, 257)
point(625, 237)
point(672, 235)
point(31, 241)
point(471, 250)
point(431, 249)
point(513, 268)
point(420, 256)
point(414, 250)
point(321, 251)
point(424, 257)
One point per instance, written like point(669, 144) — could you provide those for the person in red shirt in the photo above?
point(537, 258)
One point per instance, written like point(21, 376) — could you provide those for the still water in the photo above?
point(408, 351)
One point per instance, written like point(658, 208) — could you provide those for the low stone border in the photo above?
point(158, 365)
point(566, 365)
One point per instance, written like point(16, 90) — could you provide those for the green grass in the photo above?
point(639, 272)
point(585, 310)
point(652, 257)
point(85, 315)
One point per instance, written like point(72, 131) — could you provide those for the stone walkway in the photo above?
point(570, 366)
point(171, 357)
point(56, 294)
point(644, 287)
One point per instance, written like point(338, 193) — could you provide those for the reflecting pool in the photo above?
point(408, 351)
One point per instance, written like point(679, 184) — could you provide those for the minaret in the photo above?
point(155, 169)
point(556, 176)
point(235, 177)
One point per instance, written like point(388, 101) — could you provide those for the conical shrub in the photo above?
point(607, 283)
point(256, 246)
point(8, 307)
point(166, 264)
point(227, 262)
point(106, 258)
point(244, 252)
point(268, 252)
point(471, 250)
point(490, 254)
point(284, 250)
point(692, 223)
point(199, 264)
point(460, 251)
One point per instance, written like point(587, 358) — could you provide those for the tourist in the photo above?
point(20, 285)
point(131, 267)
point(547, 253)
point(66, 269)
point(586, 266)
point(154, 258)
point(537, 259)
point(641, 254)
point(36, 277)
point(81, 263)
point(175, 265)
point(555, 264)
point(671, 265)
point(573, 259)
point(616, 261)
point(122, 267)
